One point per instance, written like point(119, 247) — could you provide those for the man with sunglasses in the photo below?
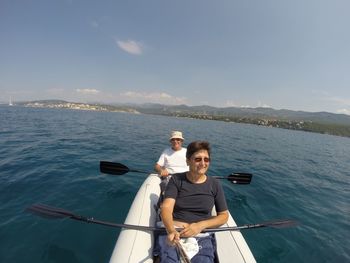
point(173, 159)
point(188, 202)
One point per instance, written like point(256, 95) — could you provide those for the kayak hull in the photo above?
point(135, 246)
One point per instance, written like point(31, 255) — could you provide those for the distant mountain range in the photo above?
point(320, 122)
point(263, 113)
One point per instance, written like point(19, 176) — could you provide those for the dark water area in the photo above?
point(52, 156)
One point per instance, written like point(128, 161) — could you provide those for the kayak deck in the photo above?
point(135, 246)
point(231, 245)
point(132, 245)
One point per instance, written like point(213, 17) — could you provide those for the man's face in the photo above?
point(176, 144)
point(199, 162)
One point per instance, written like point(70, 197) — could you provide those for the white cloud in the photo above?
point(338, 104)
point(230, 103)
point(130, 46)
point(344, 111)
point(155, 97)
point(263, 105)
point(87, 91)
point(342, 101)
point(94, 24)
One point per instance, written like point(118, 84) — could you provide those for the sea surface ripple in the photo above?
point(52, 156)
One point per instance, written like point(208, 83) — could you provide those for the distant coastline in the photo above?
point(56, 104)
point(324, 123)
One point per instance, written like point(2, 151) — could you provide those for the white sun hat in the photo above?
point(176, 135)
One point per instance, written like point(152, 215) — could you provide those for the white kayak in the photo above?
point(134, 246)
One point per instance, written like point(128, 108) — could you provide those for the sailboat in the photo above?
point(10, 102)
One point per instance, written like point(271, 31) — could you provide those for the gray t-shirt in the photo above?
point(194, 202)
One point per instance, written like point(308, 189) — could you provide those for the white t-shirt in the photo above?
point(173, 161)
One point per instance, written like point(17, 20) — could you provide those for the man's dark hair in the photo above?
point(197, 146)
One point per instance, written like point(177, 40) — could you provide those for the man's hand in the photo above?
point(173, 237)
point(164, 172)
point(191, 230)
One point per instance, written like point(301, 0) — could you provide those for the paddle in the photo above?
point(120, 169)
point(182, 253)
point(59, 213)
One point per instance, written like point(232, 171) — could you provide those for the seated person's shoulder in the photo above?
point(178, 177)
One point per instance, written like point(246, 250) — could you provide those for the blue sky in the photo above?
point(248, 53)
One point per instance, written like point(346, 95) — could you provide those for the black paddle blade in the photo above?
point(49, 211)
point(281, 223)
point(240, 178)
point(113, 168)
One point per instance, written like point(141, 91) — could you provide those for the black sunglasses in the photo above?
point(199, 159)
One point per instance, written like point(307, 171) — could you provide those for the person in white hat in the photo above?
point(173, 159)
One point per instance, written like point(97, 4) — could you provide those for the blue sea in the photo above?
point(52, 156)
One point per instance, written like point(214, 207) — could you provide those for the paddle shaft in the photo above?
point(182, 253)
point(163, 230)
point(59, 213)
point(120, 169)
